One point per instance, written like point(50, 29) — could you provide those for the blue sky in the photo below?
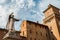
point(24, 10)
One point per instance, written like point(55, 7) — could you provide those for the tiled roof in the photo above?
point(37, 23)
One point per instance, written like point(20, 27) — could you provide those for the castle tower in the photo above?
point(52, 19)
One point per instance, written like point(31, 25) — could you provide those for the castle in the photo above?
point(49, 30)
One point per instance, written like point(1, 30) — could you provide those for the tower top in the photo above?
point(50, 6)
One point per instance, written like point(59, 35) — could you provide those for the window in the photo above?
point(23, 24)
point(30, 31)
point(51, 32)
point(35, 38)
point(41, 34)
point(53, 39)
point(23, 32)
point(39, 39)
point(40, 26)
point(59, 23)
point(36, 33)
point(35, 25)
point(49, 20)
point(29, 24)
point(46, 35)
point(30, 38)
point(50, 28)
point(45, 27)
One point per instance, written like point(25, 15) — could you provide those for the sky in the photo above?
point(24, 10)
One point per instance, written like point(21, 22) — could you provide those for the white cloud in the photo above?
point(31, 3)
point(45, 3)
point(2, 1)
point(3, 15)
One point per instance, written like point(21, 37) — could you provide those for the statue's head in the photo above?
point(12, 15)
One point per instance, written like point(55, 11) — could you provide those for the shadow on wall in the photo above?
point(52, 37)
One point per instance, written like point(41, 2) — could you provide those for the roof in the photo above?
point(18, 31)
point(37, 23)
point(22, 36)
point(7, 30)
point(49, 6)
point(3, 29)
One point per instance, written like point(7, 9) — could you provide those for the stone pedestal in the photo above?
point(11, 36)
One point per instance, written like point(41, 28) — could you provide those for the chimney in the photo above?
point(59, 11)
point(37, 22)
point(49, 5)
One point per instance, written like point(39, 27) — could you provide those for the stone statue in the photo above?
point(10, 27)
point(11, 21)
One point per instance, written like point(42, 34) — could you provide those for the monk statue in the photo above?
point(11, 20)
point(10, 27)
